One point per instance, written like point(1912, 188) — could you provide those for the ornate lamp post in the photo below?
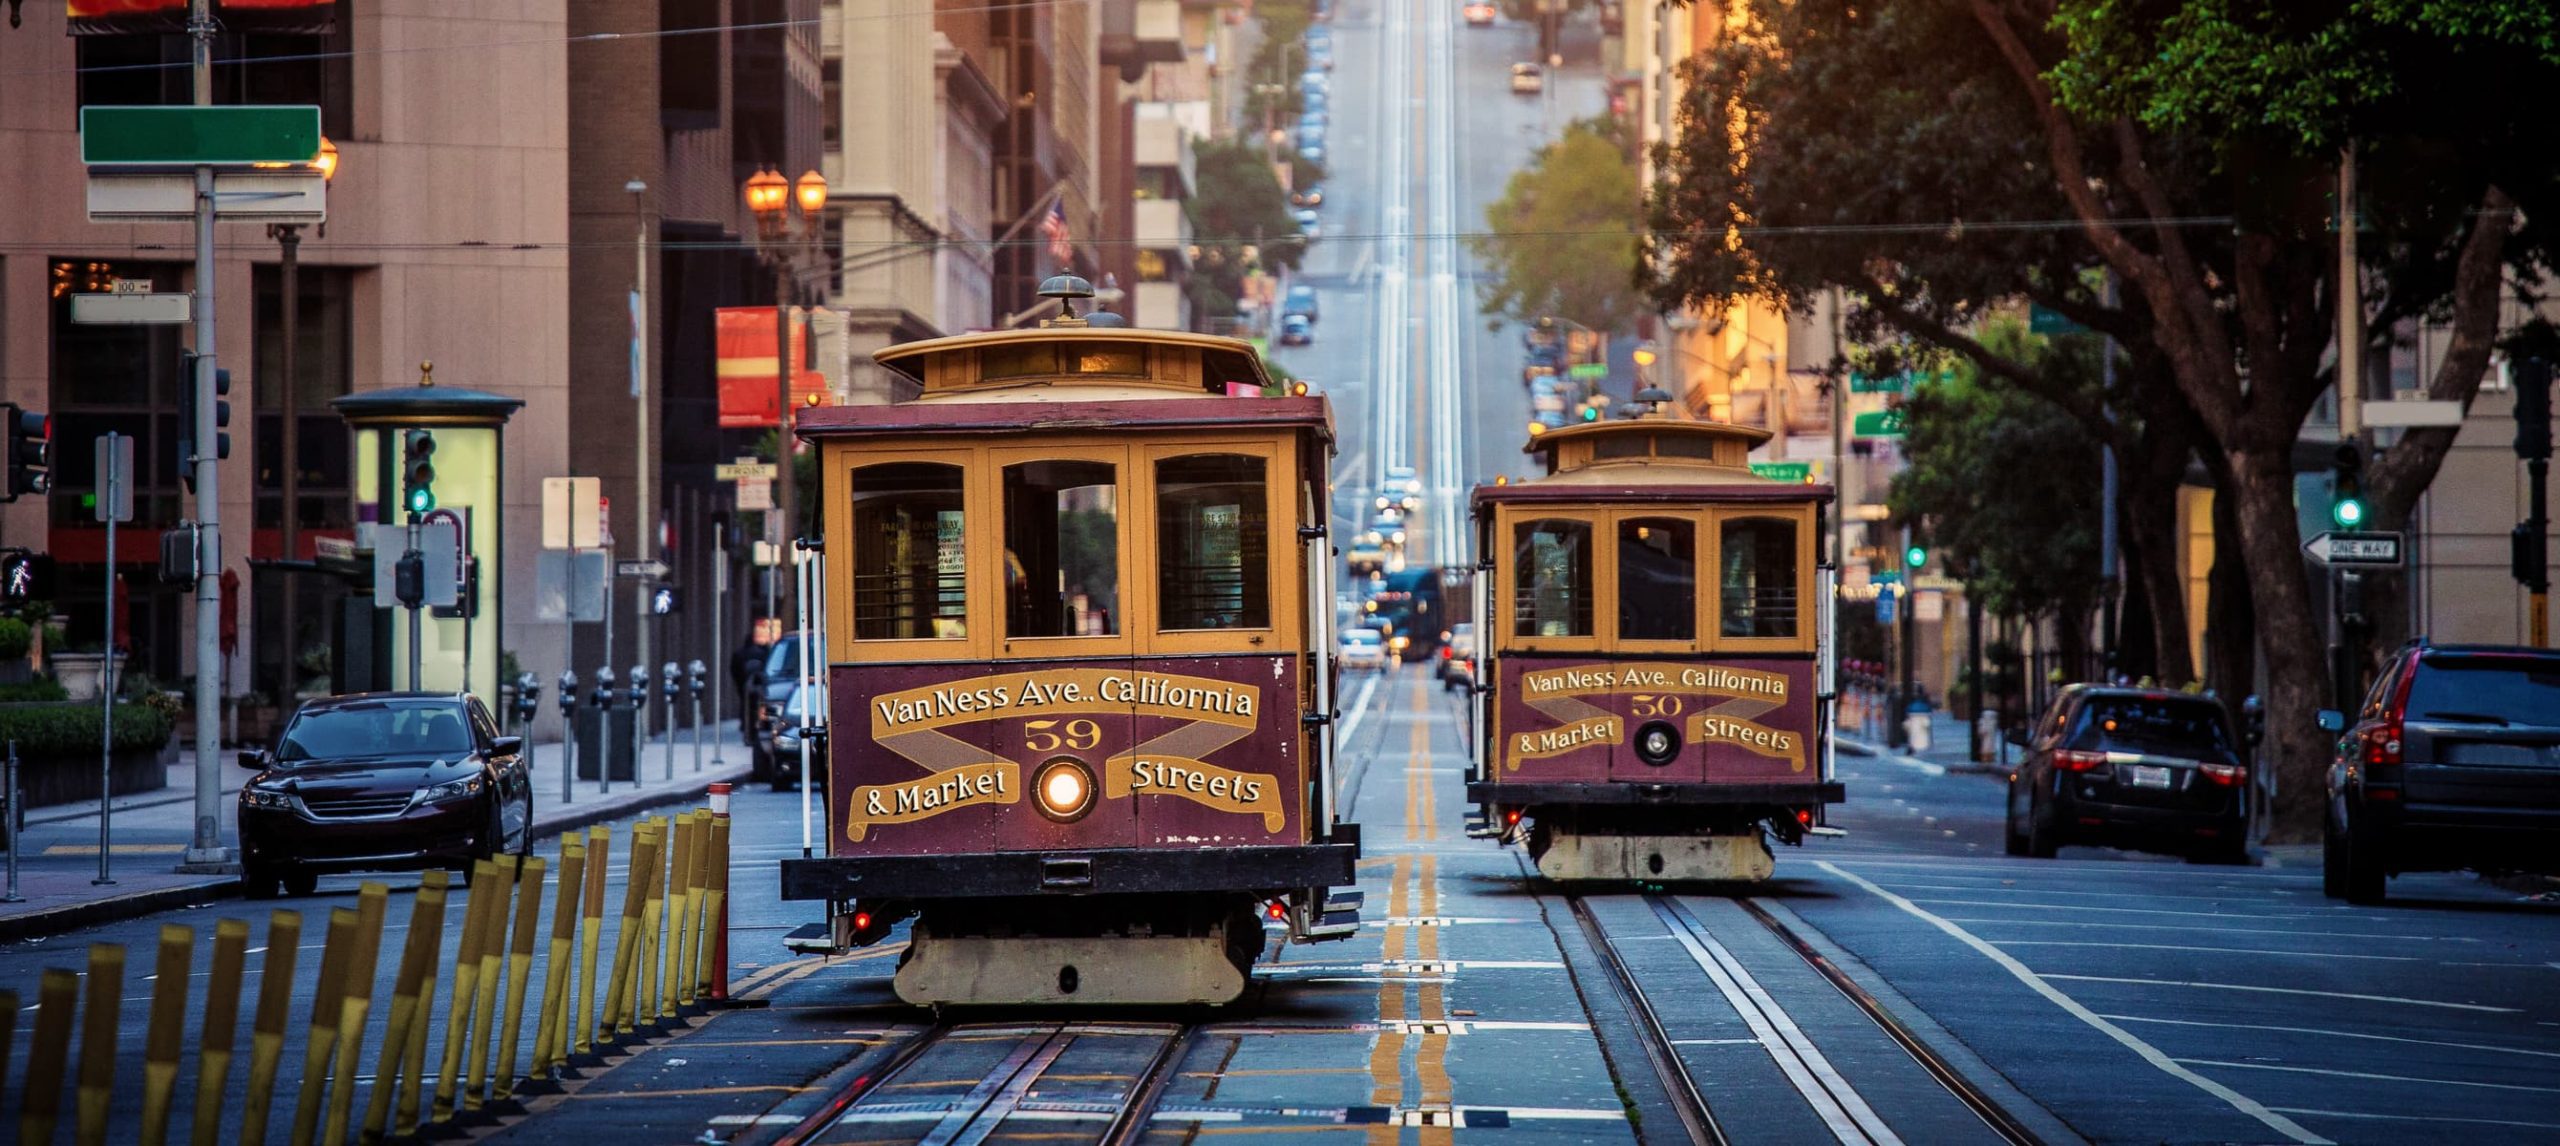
point(780, 234)
point(288, 237)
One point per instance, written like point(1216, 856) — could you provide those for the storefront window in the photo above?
point(910, 561)
point(1212, 541)
point(1551, 566)
point(1062, 549)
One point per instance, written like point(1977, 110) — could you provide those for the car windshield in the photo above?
point(1360, 637)
point(2163, 726)
point(784, 660)
point(2486, 690)
point(375, 728)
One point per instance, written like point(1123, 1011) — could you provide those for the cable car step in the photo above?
point(1343, 899)
point(811, 939)
point(1826, 831)
point(1481, 828)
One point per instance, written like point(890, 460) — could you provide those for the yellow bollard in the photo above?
point(582, 1002)
point(354, 1007)
point(671, 964)
point(166, 1038)
point(551, 1024)
point(519, 968)
point(466, 977)
point(98, 1041)
point(221, 1025)
point(417, 962)
point(266, 1031)
point(696, 896)
point(413, 1052)
point(626, 942)
point(716, 913)
point(653, 907)
point(493, 952)
point(40, 1107)
point(327, 1009)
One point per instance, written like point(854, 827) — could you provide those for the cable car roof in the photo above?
point(1650, 457)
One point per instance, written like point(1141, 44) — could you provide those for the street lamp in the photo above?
point(288, 237)
point(772, 197)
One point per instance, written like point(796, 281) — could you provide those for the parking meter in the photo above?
point(670, 681)
point(568, 694)
point(604, 687)
point(695, 674)
point(528, 698)
point(639, 686)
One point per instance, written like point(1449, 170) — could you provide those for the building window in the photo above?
point(119, 378)
point(325, 364)
point(830, 97)
point(255, 68)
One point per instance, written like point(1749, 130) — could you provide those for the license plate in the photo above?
point(2146, 776)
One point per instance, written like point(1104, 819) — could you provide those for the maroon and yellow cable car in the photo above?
point(1079, 664)
point(1656, 631)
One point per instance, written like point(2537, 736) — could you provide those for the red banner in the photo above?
point(124, 17)
point(745, 335)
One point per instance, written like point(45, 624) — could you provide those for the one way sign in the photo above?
point(2335, 548)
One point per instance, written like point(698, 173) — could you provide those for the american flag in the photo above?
point(1062, 243)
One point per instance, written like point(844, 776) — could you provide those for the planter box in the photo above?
point(66, 780)
point(81, 673)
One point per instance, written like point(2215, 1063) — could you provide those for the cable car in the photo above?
point(1655, 643)
point(1079, 613)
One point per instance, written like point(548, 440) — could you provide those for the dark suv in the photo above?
point(2453, 762)
point(2131, 767)
point(381, 781)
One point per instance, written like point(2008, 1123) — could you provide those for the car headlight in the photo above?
point(254, 796)
point(462, 789)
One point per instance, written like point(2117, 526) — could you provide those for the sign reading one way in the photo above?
point(2335, 548)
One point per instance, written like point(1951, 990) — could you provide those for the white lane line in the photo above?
point(2077, 923)
point(2034, 982)
point(2429, 1118)
point(2119, 910)
point(2482, 1008)
point(2324, 1032)
point(1839, 1104)
point(2251, 951)
point(2368, 1075)
point(1359, 709)
point(1967, 866)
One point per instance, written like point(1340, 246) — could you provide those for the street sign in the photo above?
point(2414, 412)
point(148, 195)
point(570, 516)
point(115, 476)
point(1884, 607)
point(649, 569)
point(2336, 548)
point(181, 135)
point(122, 308)
point(2042, 321)
point(570, 586)
point(1878, 424)
point(1797, 472)
point(1587, 371)
point(745, 470)
point(755, 494)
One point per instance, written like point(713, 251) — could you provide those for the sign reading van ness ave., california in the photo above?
point(1569, 720)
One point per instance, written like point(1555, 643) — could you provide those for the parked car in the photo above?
point(1479, 15)
point(2131, 767)
point(1311, 195)
point(1363, 650)
point(788, 722)
point(768, 688)
point(1402, 480)
point(2453, 762)
point(1320, 54)
point(1458, 656)
point(1301, 299)
point(1309, 223)
point(1311, 142)
point(1312, 152)
point(1314, 80)
point(1528, 79)
point(1295, 330)
point(381, 781)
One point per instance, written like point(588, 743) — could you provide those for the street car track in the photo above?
point(1842, 1108)
point(959, 1084)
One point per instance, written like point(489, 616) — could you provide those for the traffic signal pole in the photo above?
point(205, 848)
point(2533, 537)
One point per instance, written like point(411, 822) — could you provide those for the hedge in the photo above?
point(72, 729)
point(41, 688)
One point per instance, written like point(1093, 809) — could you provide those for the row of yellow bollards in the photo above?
point(668, 958)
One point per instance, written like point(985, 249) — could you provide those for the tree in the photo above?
point(2026, 548)
point(1240, 216)
point(1562, 240)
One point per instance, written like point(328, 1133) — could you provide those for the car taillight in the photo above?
point(2382, 742)
point(2227, 775)
point(2079, 761)
point(1446, 652)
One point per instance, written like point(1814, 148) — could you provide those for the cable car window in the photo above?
point(1212, 543)
point(910, 562)
point(1062, 549)
point(1759, 577)
point(1623, 446)
point(1039, 359)
point(1657, 580)
point(1685, 446)
point(1551, 565)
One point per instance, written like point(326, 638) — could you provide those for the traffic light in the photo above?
point(25, 577)
point(1590, 412)
point(2346, 488)
point(409, 579)
point(1915, 556)
point(466, 596)
point(418, 472)
point(187, 451)
point(30, 452)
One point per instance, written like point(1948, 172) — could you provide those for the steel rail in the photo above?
point(1687, 1100)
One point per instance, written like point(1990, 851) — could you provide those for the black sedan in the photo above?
point(2131, 767)
point(382, 781)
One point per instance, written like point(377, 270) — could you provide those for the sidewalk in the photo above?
point(1950, 747)
point(58, 856)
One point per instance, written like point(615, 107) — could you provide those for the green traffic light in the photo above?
point(1915, 557)
point(2348, 512)
point(1591, 413)
point(421, 501)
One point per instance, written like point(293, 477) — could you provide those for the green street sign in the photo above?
point(1878, 424)
point(185, 136)
point(2042, 321)
point(1796, 472)
point(1588, 371)
point(1871, 384)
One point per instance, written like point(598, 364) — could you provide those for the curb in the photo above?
point(113, 909)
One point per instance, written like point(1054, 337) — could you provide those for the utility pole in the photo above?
point(205, 849)
point(2111, 581)
point(2533, 538)
point(2346, 587)
point(641, 453)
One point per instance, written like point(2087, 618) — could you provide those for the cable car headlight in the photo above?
point(1063, 789)
point(1657, 743)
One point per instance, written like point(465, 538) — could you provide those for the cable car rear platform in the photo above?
point(1083, 871)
